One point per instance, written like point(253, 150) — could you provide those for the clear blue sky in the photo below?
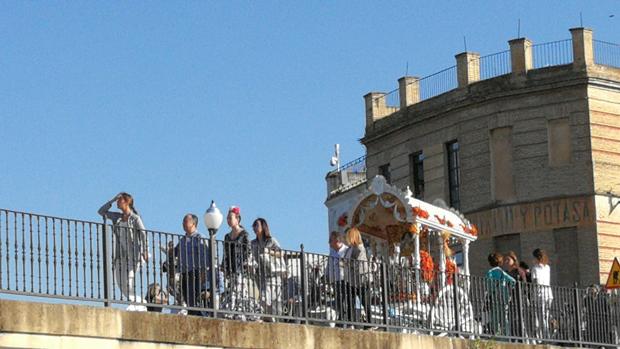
point(179, 103)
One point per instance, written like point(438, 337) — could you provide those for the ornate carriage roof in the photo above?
point(385, 211)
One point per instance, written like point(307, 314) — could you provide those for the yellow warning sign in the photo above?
point(613, 280)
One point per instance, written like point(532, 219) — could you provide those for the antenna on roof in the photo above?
point(335, 161)
point(518, 28)
point(580, 19)
point(407, 68)
point(465, 42)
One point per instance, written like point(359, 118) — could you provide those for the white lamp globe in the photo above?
point(213, 218)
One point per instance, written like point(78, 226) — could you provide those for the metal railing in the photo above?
point(552, 53)
point(495, 65)
point(606, 53)
point(347, 176)
point(438, 83)
point(43, 256)
point(392, 99)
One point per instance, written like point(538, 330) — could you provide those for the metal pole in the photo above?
point(578, 316)
point(304, 285)
point(519, 300)
point(107, 272)
point(455, 292)
point(384, 278)
point(213, 271)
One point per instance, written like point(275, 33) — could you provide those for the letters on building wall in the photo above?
point(535, 216)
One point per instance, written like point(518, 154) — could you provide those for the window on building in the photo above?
point(452, 149)
point(559, 142)
point(416, 162)
point(502, 183)
point(384, 170)
point(509, 242)
point(566, 256)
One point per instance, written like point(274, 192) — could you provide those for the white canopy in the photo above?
point(386, 212)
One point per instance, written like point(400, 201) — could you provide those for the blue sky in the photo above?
point(179, 103)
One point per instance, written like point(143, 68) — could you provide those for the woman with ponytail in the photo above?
point(130, 246)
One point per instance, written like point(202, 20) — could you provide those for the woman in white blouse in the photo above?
point(541, 277)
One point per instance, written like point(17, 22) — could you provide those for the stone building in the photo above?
point(525, 143)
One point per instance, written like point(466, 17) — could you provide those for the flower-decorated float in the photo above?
point(427, 247)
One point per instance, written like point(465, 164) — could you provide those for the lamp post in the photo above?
point(213, 220)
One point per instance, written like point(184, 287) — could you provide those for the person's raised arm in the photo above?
point(104, 211)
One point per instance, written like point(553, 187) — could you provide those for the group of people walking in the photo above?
point(249, 266)
point(189, 263)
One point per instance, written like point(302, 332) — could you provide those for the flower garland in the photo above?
point(419, 212)
point(441, 220)
point(471, 230)
point(451, 269)
point(427, 266)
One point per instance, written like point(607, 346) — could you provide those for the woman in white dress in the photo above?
point(541, 277)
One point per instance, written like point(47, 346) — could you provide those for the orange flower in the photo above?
point(427, 266)
point(473, 231)
point(451, 269)
point(412, 229)
point(419, 212)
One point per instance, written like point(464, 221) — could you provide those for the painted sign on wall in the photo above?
point(535, 216)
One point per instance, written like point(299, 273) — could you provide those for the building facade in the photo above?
point(526, 145)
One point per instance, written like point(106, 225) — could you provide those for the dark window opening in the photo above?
point(384, 170)
point(416, 162)
point(453, 173)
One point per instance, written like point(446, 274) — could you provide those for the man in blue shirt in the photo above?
point(194, 262)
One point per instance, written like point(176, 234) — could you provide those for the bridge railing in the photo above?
point(79, 261)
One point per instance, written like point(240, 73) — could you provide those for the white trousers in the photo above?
point(124, 278)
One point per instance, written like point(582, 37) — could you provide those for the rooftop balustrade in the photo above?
point(580, 50)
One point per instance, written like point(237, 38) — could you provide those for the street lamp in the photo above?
point(213, 219)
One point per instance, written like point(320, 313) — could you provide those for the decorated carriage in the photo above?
point(426, 247)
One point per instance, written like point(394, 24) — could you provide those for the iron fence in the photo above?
point(348, 175)
point(392, 99)
point(606, 53)
point(552, 53)
point(438, 83)
point(495, 65)
point(73, 260)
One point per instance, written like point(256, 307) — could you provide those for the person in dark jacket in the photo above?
point(513, 268)
point(237, 263)
point(194, 262)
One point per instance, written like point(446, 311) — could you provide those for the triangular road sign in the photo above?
point(613, 280)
